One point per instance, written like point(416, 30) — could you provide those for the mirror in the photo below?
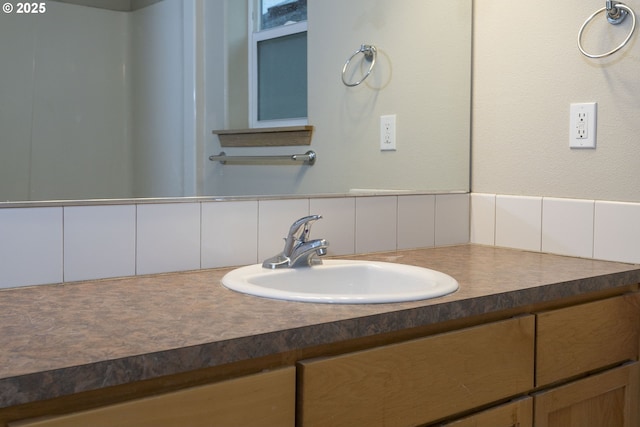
point(98, 103)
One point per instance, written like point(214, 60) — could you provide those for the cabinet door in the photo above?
point(586, 337)
point(609, 399)
point(518, 413)
point(265, 399)
point(419, 381)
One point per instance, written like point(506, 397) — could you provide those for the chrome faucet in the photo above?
point(299, 251)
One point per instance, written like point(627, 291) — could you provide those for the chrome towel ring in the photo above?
point(616, 13)
point(370, 54)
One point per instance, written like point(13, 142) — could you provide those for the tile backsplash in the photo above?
point(597, 229)
point(40, 245)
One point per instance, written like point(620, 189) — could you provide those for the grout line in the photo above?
point(258, 231)
point(593, 231)
point(495, 218)
point(435, 219)
point(397, 220)
point(541, 222)
point(63, 249)
point(355, 225)
point(135, 240)
point(200, 237)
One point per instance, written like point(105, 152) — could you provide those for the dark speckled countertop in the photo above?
point(62, 339)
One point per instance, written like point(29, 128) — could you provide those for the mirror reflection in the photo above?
point(100, 103)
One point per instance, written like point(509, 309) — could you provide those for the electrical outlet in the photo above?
point(582, 125)
point(388, 132)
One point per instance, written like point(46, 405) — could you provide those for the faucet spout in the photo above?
point(306, 254)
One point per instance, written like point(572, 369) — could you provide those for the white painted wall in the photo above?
point(64, 111)
point(527, 70)
point(97, 94)
point(158, 66)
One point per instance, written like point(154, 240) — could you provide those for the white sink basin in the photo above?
point(342, 282)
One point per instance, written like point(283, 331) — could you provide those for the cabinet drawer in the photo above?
point(578, 339)
point(606, 399)
point(265, 399)
point(518, 413)
point(418, 381)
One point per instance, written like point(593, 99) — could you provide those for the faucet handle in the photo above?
point(306, 222)
point(295, 234)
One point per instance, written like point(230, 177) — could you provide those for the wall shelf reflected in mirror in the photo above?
point(266, 137)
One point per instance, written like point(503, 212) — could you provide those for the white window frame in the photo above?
point(255, 37)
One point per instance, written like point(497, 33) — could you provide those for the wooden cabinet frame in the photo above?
point(608, 399)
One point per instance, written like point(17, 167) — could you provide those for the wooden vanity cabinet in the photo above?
point(419, 381)
point(586, 374)
point(264, 399)
point(571, 366)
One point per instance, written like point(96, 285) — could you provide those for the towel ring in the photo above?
point(616, 12)
point(370, 54)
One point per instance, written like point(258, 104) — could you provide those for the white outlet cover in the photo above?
point(388, 132)
point(582, 135)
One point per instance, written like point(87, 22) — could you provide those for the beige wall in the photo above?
point(526, 71)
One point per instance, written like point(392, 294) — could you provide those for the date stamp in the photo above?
point(24, 8)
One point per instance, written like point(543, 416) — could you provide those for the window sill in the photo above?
point(265, 137)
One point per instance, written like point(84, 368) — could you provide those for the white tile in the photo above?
point(416, 221)
point(567, 227)
point(376, 223)
point(30, 246)
point(519, 222)
point(452, 219)
point(617, 231)
point(229, 233)
point(99, 242)
point(483, 219)
point(337, 225)
point(168, 237)
point(274, 220)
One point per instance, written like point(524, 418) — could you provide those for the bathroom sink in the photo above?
point(342, 282)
